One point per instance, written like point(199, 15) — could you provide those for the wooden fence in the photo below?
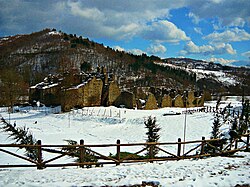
point(210, 109)
point(216, 147)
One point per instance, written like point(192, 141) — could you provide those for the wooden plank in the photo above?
point(192, 150)
point(53, 159)
point(167, 152)
point(138, 152)
point(18, 156)
point(17, 166)
point(103, 156)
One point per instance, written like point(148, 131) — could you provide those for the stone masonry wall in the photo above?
point(93, 92)
point(113, 92)
point(166, 101)
point(151, 102)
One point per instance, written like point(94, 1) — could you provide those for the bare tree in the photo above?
point(12, 88)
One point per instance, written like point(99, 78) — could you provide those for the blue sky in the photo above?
point(213, 30)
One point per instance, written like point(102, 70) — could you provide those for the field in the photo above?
point(101, 125)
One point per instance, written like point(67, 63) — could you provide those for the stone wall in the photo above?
point(166, 101)
point(113, 93)
point(191, 100)
point(48, 95)
point(70, 99)
point(178, 101)
point(92, 92)
point(126, 99)
point(104, 91)
point(151, 102)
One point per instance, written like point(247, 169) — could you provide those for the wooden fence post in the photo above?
point(118, 152)
point(39, 155)
point(151, 152)
point(179, 147)
point(203, 145)
point(221, 146)
point(247, 148)
point(81, 149)
point(236, 144)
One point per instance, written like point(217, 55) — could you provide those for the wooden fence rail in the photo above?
point(199, 149)
point(209, 109)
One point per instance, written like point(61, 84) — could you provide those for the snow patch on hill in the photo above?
point(219, 76)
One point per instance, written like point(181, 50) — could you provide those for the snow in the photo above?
point(219, 76)
point(54, 33)
point(100, 125)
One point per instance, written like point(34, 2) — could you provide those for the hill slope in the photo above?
point(46, 52)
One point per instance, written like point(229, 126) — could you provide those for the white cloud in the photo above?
point(118, 48)
point(164, 31)
point(133, 51)
point(136, 51)
point(240, 22)
point(156, 49)
point(221, 60)
point(87, 13)
point(191, 48)
point(195, 18)
point(229, 12)
point(198, 30)
point(246, 54)
point(233, 35)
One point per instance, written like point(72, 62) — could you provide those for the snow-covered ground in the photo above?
point(105, 125)
point(219, 76)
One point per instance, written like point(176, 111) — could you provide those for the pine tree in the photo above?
point(152, 133)
point(216, 127)
point(244, 118)
point(21, 135)
point(75, 152)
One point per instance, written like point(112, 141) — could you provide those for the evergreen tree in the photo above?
point(152, 133)
point(75, 152)
point(21, 135)
point(216, 127)
point(244, 118)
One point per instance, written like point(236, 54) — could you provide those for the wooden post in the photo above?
point(214, 146)
point(247, 148)
point(221, 146)
point(179, 147)
point(151, 152)
point(202, 145)
point(39, 155)
point(118, 152)
point(236, 144)
point(82, 152)
point(231, 142)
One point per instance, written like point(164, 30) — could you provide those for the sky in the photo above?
point(212, 30)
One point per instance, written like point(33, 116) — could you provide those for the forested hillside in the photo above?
point(26, 59)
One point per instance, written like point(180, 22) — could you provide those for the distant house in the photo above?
point(46, 93)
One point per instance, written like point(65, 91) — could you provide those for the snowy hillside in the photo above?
point(201, 73)
point(222, 77)
point(106, 125)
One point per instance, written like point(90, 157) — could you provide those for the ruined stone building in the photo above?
point(101, 89)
